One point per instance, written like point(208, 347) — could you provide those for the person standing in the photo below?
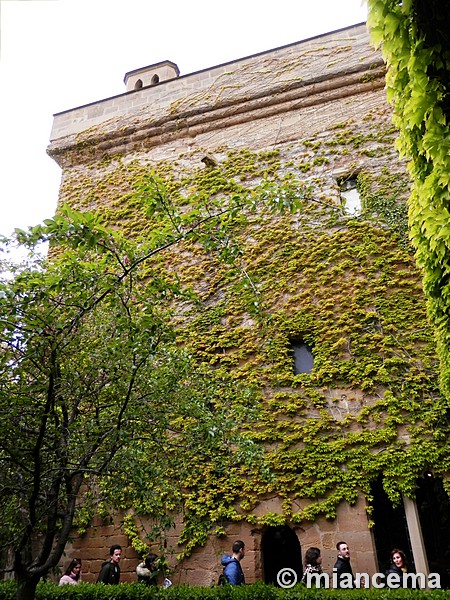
point(110, 571)
point(73, 573)
point(232, 564)
point(342, 567)
point(313, 564)
point(147, 572)
point(399, 566)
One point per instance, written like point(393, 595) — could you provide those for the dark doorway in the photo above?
point(281, 549)
point(390, 529)
point(433, 506)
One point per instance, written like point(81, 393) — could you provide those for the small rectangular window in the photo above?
point(303, 357)
point(350, 197)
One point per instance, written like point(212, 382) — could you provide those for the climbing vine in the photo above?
point(347, 286)
point(417, 51)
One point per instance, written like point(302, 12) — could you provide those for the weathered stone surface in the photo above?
point(273, 100)
point(333, 66)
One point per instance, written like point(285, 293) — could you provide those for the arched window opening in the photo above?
point(155, 79)
point(138, 84)
point(303, 359)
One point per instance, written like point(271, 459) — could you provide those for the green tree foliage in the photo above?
point(95, 392)
point(414, 37)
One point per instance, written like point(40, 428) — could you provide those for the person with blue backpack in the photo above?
point(232, 572)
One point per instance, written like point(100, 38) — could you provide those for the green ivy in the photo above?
point(417, 53)
point(347, 286)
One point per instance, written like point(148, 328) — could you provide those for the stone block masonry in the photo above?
point(320, 106)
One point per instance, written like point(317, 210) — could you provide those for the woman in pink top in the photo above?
point(73, 573)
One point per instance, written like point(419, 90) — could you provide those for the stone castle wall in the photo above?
point(339, 66)
point(321, 104)
point(203, 566)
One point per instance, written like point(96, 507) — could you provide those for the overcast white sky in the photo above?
point(59, 54)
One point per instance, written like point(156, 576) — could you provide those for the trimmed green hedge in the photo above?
point(257, 591)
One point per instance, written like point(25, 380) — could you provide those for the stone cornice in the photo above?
point(310, 73)
point(132, 134)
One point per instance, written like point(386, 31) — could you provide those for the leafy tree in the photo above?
point(414, 37)
point(94, 389)
point(98, 400)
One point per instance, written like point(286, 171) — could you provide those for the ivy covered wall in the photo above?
point(345, 285)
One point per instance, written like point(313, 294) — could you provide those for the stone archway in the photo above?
point(280, 549)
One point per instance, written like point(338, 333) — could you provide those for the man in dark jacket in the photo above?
point(233, 571)
point(110, 571)
point(342, 572)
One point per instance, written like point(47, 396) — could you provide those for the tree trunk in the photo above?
point(26, 590)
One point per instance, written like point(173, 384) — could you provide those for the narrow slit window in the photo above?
point(302, 357)
point(350, 197)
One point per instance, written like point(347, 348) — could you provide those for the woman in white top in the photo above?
point(72, 575)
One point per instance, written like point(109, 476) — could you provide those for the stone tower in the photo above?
point(336, 281)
